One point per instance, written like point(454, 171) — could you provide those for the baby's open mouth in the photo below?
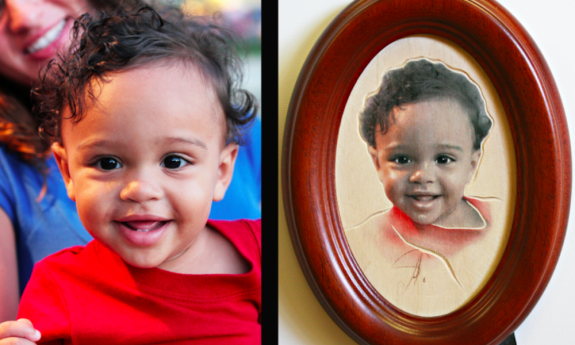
point(144, 225)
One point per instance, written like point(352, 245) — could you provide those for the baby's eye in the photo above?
point(444, 160)
point(401, 159)
point(174, 162)
point(108, 163)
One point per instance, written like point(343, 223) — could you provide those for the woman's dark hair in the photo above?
point(421, 80)
point(106, 43)
point(18, 130)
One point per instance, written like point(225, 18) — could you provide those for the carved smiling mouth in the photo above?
point(424, 198)
point(423, 202)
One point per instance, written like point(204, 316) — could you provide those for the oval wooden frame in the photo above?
point(532, 104)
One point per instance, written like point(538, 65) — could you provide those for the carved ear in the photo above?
point(373, 153)
point(375, 159)
point(62, 161)
point(475, 158)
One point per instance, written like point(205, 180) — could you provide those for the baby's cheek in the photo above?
point(455, 182)
point(393, 191)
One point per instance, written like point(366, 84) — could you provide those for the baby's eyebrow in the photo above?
point(169, 140)
point(96, 143)
point(396, 147)
point(192, 141)
point(449, 146)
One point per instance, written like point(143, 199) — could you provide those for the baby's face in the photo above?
point(145, 163)
point(426, 159)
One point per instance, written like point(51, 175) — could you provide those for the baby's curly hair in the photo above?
point(421, 80)
point(106, 43)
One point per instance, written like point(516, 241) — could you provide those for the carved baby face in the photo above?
point(425, 160)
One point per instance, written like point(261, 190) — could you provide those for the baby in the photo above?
point(424, 129)
point(146, 117)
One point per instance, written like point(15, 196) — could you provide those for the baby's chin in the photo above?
point(423, 219)
point(142, 263)
point(142, 259)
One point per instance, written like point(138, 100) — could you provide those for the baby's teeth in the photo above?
point(48, 38)
point(144, 230)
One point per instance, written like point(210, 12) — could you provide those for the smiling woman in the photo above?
point(32, 32)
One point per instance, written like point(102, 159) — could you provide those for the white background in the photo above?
point(551, 24)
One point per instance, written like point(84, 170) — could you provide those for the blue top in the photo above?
point(243, 197)
point(45, 227)
point(41, 228)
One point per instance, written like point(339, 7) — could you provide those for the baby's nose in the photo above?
point(141, 190)
point(422, 174)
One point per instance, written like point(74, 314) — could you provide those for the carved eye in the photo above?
point(444, 160)
point(401, 159)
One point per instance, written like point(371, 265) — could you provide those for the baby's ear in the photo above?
point(225, 170)
point(62, 161)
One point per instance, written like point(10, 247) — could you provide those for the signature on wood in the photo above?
point(415, 274)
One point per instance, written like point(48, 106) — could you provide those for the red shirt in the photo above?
point(88, 295)
point(447, 241)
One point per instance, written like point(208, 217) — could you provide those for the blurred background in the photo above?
point(243, 16)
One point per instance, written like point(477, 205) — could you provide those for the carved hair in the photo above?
point(421, 80)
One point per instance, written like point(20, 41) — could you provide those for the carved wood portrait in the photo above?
point(425, 175)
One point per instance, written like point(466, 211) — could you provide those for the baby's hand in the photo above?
point(20, 332)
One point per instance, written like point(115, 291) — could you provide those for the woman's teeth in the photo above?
point(48, 38)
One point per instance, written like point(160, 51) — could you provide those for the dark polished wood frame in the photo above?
point(532, 104)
